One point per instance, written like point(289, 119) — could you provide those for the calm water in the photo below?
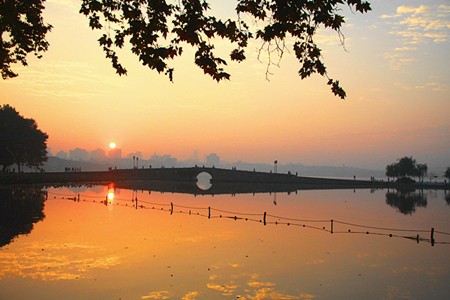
point(98, 242)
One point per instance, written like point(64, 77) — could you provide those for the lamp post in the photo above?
point(275, 166)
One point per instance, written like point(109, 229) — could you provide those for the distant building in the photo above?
point(79, 154)
point(115, 153)
point(163, 160)
point(98, 155)
point(61, 154)
point(212, 159)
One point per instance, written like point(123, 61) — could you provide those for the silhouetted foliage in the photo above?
point(22, 31)
point(447, 173)
point(21, 142)
point(405, 168)
point(156, 30)
point(406, 200)
point(20, 208)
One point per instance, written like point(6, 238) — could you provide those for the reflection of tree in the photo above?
point(20, 208)
point(406, 200)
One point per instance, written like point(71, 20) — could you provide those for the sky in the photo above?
point(395, 68)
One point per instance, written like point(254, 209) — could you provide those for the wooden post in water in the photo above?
point(171, 208)
point(331, 226)
point(209, 212)
point(432, 236)
point(264, 218)
point(136, 202)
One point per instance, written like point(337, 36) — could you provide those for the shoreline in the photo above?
point(219, 176)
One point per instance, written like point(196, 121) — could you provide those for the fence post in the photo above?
point(264, 218)
point(432, 236)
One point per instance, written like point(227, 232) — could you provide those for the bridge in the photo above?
point(182, 176)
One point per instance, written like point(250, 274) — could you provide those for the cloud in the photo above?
point(421, 24)
point(157, 295)
point(259, 284)
point(191, 296)
point(415, 26)
point(62, 79)
point(225, 289)
point(49, 262)
point(397, 60)
point(412, 10)
point(249, 286)
point(405, 48)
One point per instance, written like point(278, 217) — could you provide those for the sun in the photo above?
point(112, 145)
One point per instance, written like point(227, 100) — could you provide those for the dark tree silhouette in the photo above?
point(22, 31)
point(156, 30)
point(20, 208)
point(405, 168)
point(447, 173)
point(406, 200)
point(21, 142)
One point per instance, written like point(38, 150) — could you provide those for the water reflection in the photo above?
point(406, 200)
point(204, 181)
point(20, 209)
point(163, 245)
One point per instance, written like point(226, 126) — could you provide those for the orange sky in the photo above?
point(395, 71)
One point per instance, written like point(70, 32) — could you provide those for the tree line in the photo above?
point(407, 168)
point(22, 143)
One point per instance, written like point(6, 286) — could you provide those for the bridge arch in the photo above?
point(204, 180)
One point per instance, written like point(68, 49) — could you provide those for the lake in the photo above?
point(105, 242)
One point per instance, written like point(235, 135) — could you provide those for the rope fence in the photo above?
point(331, 226)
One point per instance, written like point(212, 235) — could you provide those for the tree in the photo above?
point(156, 30)
point(405, 168)
point(21, 142)
point(422, 170)
point(447, 173)
point(22, 31)
point(392, 170)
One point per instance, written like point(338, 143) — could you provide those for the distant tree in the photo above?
point(392, 171)
point(21, 142)
point(447, 173)
point(421, 170)
point(156, 30)
point(406, 167)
